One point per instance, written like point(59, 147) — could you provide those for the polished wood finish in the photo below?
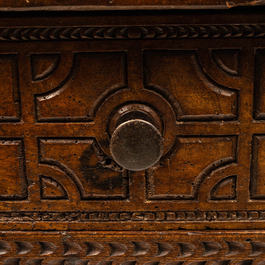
point(132, 248)
point(67, 82)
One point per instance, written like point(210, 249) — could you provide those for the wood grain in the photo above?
point(129, 248)
point(67, 80)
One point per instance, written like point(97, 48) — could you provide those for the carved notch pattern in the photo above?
point(147, 216)
point(168, 248)
point(138, 32)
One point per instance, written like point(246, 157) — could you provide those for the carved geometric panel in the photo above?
point(12, 170)
point(185, 174)
point(69, 80)
point(81, 161)
point(68, 165)
point(76, 98)
point(71, 167)
point(195, 96)
point(199, 98)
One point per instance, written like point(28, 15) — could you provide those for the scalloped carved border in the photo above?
point(37, 248)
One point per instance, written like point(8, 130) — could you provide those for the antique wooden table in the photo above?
point(132, 133)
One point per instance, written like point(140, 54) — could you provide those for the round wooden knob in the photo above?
point(136, 145)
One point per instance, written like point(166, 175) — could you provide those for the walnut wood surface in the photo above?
point(65, 78)
point(66, 5)
point(110, 248)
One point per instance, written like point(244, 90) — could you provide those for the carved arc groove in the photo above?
point(220, 64)
point(105, 95)
point(60, 88)
point(55, 58)
point(56, 184)
point(217, 88)
point(217, 165)
point(212, 168)
point(231, 180)
point(166, 94)
point(69, 173)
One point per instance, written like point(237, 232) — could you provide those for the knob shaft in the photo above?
point(136, 145)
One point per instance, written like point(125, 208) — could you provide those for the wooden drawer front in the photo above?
point(65, 82)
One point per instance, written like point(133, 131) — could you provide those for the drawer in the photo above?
point(132, 137)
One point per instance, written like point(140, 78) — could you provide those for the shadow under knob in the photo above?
point(136, 145)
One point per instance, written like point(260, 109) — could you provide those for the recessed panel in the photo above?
point(13, 177)
point(181, 74)
point(92, 77)
point(82, 162)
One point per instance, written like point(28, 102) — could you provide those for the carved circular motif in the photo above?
point(123, 112)
point(157, 107)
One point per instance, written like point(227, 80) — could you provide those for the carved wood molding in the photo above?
point(131, 248)
point(133, 216)
point(133, 32)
